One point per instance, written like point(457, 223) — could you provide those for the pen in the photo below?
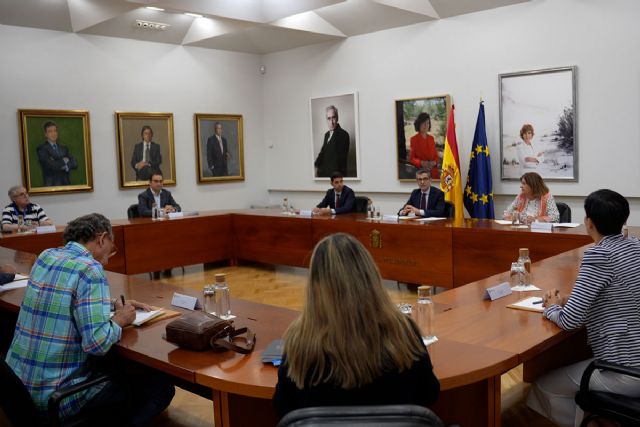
point(537, 302)
point(122, 299)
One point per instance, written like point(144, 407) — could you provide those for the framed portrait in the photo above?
point(334, 135)
point(219, 147)
point(56, 151)
point(421, 128)
point(145, 146)
point(538, 124)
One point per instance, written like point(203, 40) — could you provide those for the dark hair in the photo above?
point(155, 174)
point(526, 128)
point(607, 210)
point(535, 182)
point(145, 127)
point(49, 124)
point(421, 171)
point(422, 117)
point(336, 175)
point(85, 228)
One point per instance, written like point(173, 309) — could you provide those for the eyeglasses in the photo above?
point(21, 195)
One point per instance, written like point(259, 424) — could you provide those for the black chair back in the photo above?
point(361, 204)
point(133, 212)
point(565, 212)
point(449, 210)
point(15, 400)
point(360, 416)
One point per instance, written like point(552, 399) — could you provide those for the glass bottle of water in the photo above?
point(209, 295)
point(223, 303)
point(526, 262)
point(285, 205)
point(425, 312)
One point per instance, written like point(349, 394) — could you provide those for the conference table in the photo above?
point(478, 340)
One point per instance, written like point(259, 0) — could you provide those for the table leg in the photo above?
point(233, 410)
point(473, 405)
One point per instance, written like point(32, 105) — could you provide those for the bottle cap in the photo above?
point(424, 287)
point(524, 251)
point(221, 277)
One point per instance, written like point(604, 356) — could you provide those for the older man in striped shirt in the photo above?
point(605, 299)
point(65, 318)
point(21, 214)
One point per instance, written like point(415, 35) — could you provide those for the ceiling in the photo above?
point(254, 26)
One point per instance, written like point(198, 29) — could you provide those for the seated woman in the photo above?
point(605, 299)
point(351, 345)
point(535, 201)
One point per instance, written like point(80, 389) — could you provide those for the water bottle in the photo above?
point(209, 299)
point(526, 262)
point(285, 205)
point(424, 312)
point(223, 303)
point(154, 213)
point(516, 275)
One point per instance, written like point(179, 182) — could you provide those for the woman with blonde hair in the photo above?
point(534, 200)
point(351, 345)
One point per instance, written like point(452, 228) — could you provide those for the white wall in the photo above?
point(463, 57)
point(56, 70)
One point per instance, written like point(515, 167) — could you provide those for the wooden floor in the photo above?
point(284, 287)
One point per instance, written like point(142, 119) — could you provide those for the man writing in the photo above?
point(156, 197)
point(65, 317)
point(425, 201)
point(217, 152)
point(55, 159)
point(338, 200)
point(335, 147)
point(20, 212)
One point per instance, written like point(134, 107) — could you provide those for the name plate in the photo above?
point(305, 213)
point(546, 226)
point(498, 291)
point(185, 301)
point(45, 229)
point(174, 215)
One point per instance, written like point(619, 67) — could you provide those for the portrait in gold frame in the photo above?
point(219, 147)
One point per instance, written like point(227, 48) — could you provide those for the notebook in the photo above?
point(528, 304)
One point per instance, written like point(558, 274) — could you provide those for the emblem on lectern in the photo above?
point(376, 239)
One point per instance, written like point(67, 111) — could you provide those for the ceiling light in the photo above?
point(193, 15)
point(147, 25)
point(155, 8)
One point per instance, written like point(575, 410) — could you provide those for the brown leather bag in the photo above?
point(199, 331)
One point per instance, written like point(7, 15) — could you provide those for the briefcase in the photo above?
point(200, 331)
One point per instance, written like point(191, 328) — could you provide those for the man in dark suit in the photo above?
point(426, 201)
point(339, 199)
point(335, 147)
point(146, 157)
point(55, 159)
point(156, 196)
point(217, 152)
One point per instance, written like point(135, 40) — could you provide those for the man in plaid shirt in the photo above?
point(65, 318)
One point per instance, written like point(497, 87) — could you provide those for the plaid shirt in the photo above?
point(63, 319)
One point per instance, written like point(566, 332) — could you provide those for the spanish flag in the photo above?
point(450, 181)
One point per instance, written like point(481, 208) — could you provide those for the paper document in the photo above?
point(566, 225)
point(528, 304)
point(433, 218)
point(19, 281)
point(144, 316)
point(428, 341)
point(503, 221)
point(525, 288)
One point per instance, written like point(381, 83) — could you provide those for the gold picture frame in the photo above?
point(219, 158)
point(55, 151)
point(136, 164)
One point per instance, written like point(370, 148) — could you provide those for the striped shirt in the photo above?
point(64, 317)
point(32, 212)
point(606, 298)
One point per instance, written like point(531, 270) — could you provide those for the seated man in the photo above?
point(605, 300)
point(65, 317)
point(7, 274)
point(21, 211)
point(426, 201)
point(339, 199)
point(156, 196)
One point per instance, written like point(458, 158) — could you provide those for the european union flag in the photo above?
point(478, 193)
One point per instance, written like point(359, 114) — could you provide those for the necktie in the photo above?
point(337, 200)
point(147, 152)
point(55, 148)
point(423, 202)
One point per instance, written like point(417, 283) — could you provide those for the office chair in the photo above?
point(362, 202)
point(449, 210)
point(357, 416)
point(600, 404)
point(133, 212)
point(19, 409)
point(565, 212)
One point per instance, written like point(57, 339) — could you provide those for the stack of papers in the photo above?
point(144, 316)
point(273, 352)
point(528, 304)
point(19, 281)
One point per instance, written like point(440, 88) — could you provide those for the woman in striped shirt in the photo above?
point(605, 299)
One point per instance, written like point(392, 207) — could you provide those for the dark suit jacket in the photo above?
point(216, 159)
point(155, 160)
point(54, 172)
point(347, 200)
point(435, 203)
point(146, 201)
point(6, 278)
point(334, 153)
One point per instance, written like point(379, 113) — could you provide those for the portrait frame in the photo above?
point(347, 106)
point(546, 100)
point(229, 164)
point(407, 110)
point(129, 129)
point(68, 168)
